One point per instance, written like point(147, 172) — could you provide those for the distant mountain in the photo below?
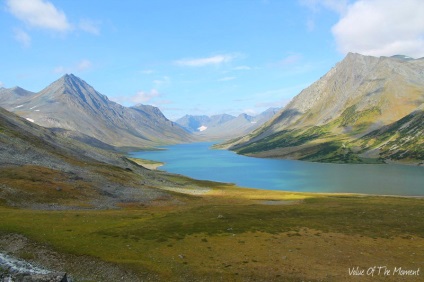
point(9, 96)
point(70, 103)
point(200, 123)
point(224, 126)
point(325, 122)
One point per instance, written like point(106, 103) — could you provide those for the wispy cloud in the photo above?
point(315, 6)
point(162, 81)
point(290, 60)
point(289, 91)
point(207, 61)
point(80, 66)
point(147, 71)
point(227, 78)
point(22, 37)
point(250, 112)
point(84, 65)
point(163, 102)
point(1, 84)
point(242, 68)
point(89, 26)
point(143, 96)
point(273, 104)
point(382, 28)
point(338, 6)
point(39, 13)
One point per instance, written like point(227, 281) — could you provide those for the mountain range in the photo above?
point(224, 126)
point(365, 109)
point(72, 104)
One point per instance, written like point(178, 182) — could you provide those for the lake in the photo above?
point(198, 160)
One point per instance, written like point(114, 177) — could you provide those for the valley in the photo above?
point(72, 198)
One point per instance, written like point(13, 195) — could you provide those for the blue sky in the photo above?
point(198, 57)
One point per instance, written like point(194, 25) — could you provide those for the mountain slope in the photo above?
point(45, 169)
point(70, 103)
point(41, 169)
point(401, 140)
point(359, 95)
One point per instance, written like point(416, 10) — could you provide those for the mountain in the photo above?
point(200, 123)
point(41, 168)
point(401, 140)
point(224, 126)
point(9, 96)
point(359, 96)
point(266, 115)
point(72, 104)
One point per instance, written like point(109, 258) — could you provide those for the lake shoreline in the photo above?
point(199, 161)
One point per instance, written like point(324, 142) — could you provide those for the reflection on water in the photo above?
point(197, 160)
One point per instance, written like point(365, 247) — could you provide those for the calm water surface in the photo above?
point(198, 161)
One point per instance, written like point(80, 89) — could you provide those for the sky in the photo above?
point(199, 57)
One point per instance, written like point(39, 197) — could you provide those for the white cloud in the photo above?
point(250, 112)
point(164, 102)
point(84, 65)
point(227, 78)
point(22, 37)
point(1, 84)
point(163, 81)
point(316, 6)
point(39, 13)
point(90, 26)
point(143, 97)
point(338, 6)
point(60, 70)
point(200, 62)
point(273, 104)
point(80, 66)
point(290, 59)
point(382, 28)
point(147, 71)
point(242, 68)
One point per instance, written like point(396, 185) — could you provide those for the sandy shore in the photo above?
point(152, 165)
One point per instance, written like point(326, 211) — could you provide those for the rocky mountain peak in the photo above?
point(72, 87)
point(71, 103)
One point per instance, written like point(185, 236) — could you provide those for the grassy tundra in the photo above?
point(217, 232)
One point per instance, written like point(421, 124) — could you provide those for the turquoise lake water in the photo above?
point(198, 161)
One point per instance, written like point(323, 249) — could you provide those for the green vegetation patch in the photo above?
point(373, 217)
point(332, 152)
point(36, 184)
point(403, 139)
point(137, 238)
point(285, 138)
point(358, 119)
